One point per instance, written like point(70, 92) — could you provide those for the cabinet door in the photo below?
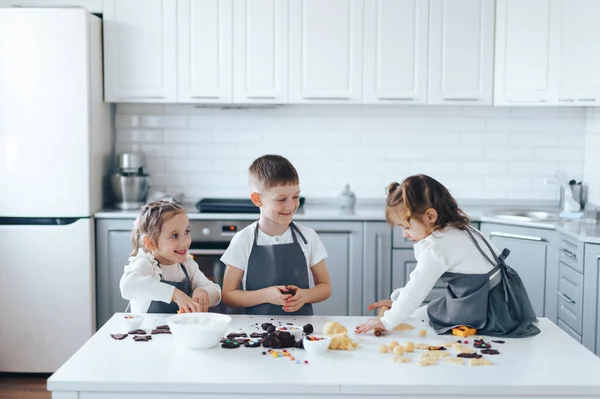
point(205, 29)
point(343, 242)
point(403, 264)
point(377, 263)
point(326, 51)
point(93, 6)
point(396, 51)
point(591, 298)
point(260, 54)
point(527, 52)
point(528, 256)
point(580, 53)
point(461, 52)
point(113, 248)
point(140, 53)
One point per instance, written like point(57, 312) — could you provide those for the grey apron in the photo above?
point(495, 303)
point(283, 264)
point(173, 307)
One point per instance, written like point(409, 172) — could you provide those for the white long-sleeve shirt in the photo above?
point(141, 284)
point(447, 250)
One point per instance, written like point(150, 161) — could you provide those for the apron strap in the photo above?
point(495, 277)
point(297, 230)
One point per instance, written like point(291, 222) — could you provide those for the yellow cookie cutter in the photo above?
point(463, 331)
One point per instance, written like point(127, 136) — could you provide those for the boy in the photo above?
point(275, 260)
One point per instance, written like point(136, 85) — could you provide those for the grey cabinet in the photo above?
point(591, 298)
point(533, 255)
point(377, 263)
point(113, 248)
point(344, 244)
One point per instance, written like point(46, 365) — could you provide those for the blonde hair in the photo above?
point(418, 193)
point(272, 170)
point(150, 221)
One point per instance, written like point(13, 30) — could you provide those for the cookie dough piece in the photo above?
point(383, 349)
point(342, 341)
point(490, 351)
point(163, 327)
point(237, 335)
point(455, 360)
point(423, 333)
point(230, 344)
point(427, 362)
point(465, 350)
point(398, 350)
point(255, 343)
point(258, 335)
point(422, 347)
point(409, 347)
point(393, 344)
point(480, 362)
point(161, 331)
point(137, 332)
point(404, 327)
point(119, 337)
point(332, 328)
point(401, 359)
point(142, 338)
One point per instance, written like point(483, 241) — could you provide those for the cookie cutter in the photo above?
point(463, 331)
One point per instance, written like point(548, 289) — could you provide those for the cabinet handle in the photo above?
point(396, 98)
point(569, 254)
point(589, 100)
point(205, 97)
point(566, 298)
point(566, 100)
point(140, 97)
point(261, 97)
point(326, 98)
point(525, 100)
point(460, 99)
point(207, 251)
point(517, 236)
point(379, 265)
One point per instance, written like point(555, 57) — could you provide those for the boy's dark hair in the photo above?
point(418, 193)
point(272, 170)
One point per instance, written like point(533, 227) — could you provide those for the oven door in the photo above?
point(208, 257)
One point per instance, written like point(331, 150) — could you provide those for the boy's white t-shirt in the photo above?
point(238, 252)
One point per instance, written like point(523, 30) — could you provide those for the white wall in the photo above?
point(592, 155)
point(478, 152)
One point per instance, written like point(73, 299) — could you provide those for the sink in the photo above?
point(524, 215)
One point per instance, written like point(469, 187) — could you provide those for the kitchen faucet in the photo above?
point(567, 203)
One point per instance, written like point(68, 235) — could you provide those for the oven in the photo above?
point(210, 239)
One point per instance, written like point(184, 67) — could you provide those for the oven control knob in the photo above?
point(206, 231)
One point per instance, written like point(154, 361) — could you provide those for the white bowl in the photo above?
point(199, 330)
point(316, 348)
point(131, 321)
point(296, 331)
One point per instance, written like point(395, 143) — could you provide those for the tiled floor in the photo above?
point(23, 386)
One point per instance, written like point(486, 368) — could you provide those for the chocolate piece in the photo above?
point(490, 351)
point(161, 331)
point(165, 327)
point(271, 329)
point(470, 355)
point(252, 344)
point(498, 341)
point(299, 344)
point(480, 343)
point(137, 332)
point(265, 326)
point(237, 335)
point(142, 338)
point(258, 335)
point(230, 344)
point(118, 336)
point(308, 329)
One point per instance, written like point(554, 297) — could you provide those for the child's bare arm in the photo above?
point(233, 296)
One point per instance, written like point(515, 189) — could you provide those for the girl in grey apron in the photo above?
point(282, 264)
point(173, 307)
point(495, 303)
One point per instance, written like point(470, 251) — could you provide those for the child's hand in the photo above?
point(186, 304)
point(275, 295)
point(379, 304)
point(295, 302)
point(201, 297)
point(369, 325)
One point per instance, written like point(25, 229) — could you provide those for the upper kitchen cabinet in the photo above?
point(205, 36)
point(395, 51)
point(93, 6)
point(260, 51)
point(140, 51)
point(325, 51)
point(580, 53)
point(461, 51)
point(528, 42)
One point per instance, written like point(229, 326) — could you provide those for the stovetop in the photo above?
point(229, 205)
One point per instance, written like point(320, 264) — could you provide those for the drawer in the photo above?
point(570, 253)
point(570, 297)
point(568, 330)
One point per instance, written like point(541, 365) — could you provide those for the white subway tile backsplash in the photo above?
point(592, 156)
point(478, 152)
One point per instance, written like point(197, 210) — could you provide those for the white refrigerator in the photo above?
point(55, 144)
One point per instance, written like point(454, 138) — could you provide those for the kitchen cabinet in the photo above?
point(528, 42)
point(344, 244)
point(533, 254)
point(140, 51)
point(93, 6)
point(325, 51)
point(395, 51)
point(113, 248)
point(377, 263)
point(260, 51)
point(591, 298)
point(580, 53)
point(205, 45)
point(461, 52)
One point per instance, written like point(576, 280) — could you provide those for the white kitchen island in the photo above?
point(551, 365)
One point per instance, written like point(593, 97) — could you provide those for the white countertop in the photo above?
point(549, 365)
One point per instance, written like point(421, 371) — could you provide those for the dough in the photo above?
point(480, 362)
point(342, 342)
point(383, 349)
point(455, 360)
point(398, 350)
point(401, 359)
point(422, 333)
point(409, 347)
point(333, 327)
point(393, 344)
point(404, 327)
